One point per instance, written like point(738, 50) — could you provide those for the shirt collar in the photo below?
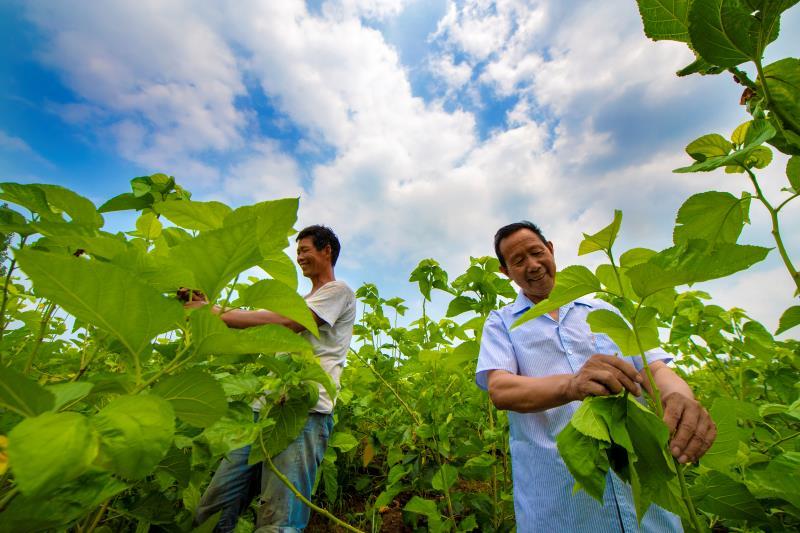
point(523, 303)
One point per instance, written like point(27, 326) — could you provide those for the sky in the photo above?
point(414, 128)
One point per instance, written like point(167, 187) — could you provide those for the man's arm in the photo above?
point(240, 318)
point(693, 432)
point(599, 376)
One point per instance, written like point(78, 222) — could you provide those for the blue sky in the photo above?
point(414, 128)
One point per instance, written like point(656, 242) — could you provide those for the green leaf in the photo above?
point(789, 319)
point(215, 257)
point(49, 450)
point(80, 210)
point(665, 20)
point(23, 396)
point(69, 393)
point(272, 220)
point(783, 82)
point(426, 508)
point(721, 31)
point(148, 226)
point(135, 434)
point(793, 172)
point(200, 216)
point(603, 239)
point(723, 453)
point(710, 145)
point(445, 477)
point(692, 262)
point(571, 283)
point(712, 216)
point(233, 431)
point(585, 459)
point(718, 494)
point(778, 479)
point(125, 202)
point(212, 337)
point(613, 325)
point(103, 295)
point(290, 417)
point(178, 464)
point(197, 398)
point(29, 196)
point(699, 66)
point(759, 132)
point(279, 298)
point(65, 504)
point(459, 305)
point(342, 441)
point(588, 421)
point(281, 268)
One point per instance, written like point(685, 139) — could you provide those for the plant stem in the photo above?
point(496, 507)
point(230, 292)
point(784, 439)
point(377, 374)
point(687, 498)
point(98, 516)
point(5, 293)
point(8, 497)
point(776, 233)
point(300, 496)
point(48, 314)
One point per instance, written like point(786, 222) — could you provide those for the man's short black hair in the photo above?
point(505, 231)
point(322, 236)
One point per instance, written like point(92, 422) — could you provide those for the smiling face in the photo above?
point(530, 263)
point(311, 260)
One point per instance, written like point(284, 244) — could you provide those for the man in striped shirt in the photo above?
point(541, 370)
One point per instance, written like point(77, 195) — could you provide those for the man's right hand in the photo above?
point(603, 375)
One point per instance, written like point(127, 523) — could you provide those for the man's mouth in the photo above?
point(536, 278)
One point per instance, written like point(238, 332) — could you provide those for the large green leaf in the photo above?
point(793, 172)
point(712, 216)
point(281, 268)
point(571, 283)
point(603, 239)
point(236, 429)
point(589, 422)
point(290, 417)
point(692, 262)
point(428, 509)
point(215, 257)
point(783, 81)
point(613, 325)
point(29, 196)
point(103, 295)
point(722, 31)
point(212, 336)
point(585, 459)
point(665, 19)
point(778, 480)
point(196, 397)
point(710, 145)
point(718, 494)
point(49, 450)
point(80, 210)
point(69, 393)
point(279, 298)
point(723, 453)
point(64, 505)
point(272, 220)
point(191, 215)
point(135, 434)
point(23, 396)
point(342, 441)
point(126, 201)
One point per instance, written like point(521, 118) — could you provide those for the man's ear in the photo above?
point(328, 251)
point(549, 245)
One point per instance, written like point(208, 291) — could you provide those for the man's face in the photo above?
point(530, 263)
point(311, 260)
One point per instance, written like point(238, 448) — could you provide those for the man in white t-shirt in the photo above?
point(235, 483)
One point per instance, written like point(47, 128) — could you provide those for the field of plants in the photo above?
point(116, 403)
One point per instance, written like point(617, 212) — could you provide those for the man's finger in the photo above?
point(699, 442)
point(608, 379)
point(623, 366)
point(686, 429)
point(594, 388)
point(672, 415)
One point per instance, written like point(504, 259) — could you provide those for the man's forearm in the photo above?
point(528, 394)
point(667, 381)
point(238, 318)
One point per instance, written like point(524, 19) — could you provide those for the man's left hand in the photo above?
point(693, 432)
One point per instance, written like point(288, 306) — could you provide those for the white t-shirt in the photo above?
point(335, 304)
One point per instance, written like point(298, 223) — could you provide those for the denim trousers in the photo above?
point(235, 483)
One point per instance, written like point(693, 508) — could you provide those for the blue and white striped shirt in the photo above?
point(543, 498)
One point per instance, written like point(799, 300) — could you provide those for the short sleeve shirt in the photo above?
point(543, 486)
point(335, 304)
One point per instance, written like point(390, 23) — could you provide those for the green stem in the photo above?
point(792, 197)
point(8, 497)
point(5, 293)
point(48, 314)
point(97, 517)
point(300, 496)
point(687, 498)
point(743, 78)
point(439, 461)
point(230, 292)
point(776, 233)
point(784, 439)
point(386, 384)
point(493, 451)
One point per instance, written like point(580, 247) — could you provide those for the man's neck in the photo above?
point(321, 279)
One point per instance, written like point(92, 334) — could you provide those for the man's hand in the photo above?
point(192, 299)
point(693, 432)
point(602, 375)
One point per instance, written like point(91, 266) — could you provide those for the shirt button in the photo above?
point(569, 352)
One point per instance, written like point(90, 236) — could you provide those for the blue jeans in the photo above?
point(235, 483)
